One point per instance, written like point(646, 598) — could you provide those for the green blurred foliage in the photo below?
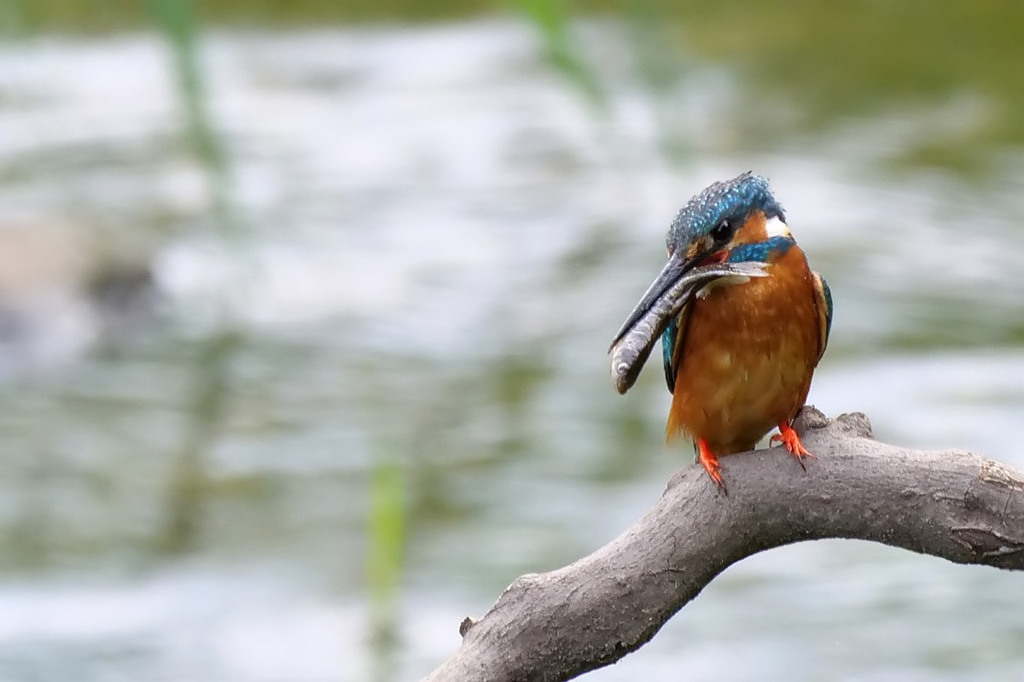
point(113, 15)
point(386, 537)
point(552, 19)
point(847, 59)
point(834, 60)
point(211, 390)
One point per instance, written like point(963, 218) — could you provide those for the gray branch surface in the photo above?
point(554, 626)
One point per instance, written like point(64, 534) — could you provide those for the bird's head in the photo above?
point(714, 227)
point(724, 216)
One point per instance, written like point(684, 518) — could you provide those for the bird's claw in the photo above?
point(710, 463)
point(789, 438)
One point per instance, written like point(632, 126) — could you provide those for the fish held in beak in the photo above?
point(662, 302)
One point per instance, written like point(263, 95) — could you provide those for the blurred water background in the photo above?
point(304, 310)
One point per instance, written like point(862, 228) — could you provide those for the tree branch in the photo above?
point(554, 626)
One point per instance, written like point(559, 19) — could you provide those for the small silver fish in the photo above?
point(635, 339)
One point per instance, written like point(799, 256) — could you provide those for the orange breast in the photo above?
point(750, 350)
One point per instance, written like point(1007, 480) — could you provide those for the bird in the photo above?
point(739, 352)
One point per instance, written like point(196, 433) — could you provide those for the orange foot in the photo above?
point(710, 463)
point(787, 436)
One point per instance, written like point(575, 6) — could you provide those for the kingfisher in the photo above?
point(741, 343)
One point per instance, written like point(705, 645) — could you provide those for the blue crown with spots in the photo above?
point(726, 200)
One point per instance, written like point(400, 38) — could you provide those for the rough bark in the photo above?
point(554, 626)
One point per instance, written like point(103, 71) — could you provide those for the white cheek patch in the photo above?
point(776, 228)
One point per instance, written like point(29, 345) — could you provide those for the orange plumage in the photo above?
point(745, 351)
point(746, 356)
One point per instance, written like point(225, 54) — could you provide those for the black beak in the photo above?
point(673, 271)
point(677, 283)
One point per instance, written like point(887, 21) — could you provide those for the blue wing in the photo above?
point(823, 301)
point(668, 346)
point(672, 342)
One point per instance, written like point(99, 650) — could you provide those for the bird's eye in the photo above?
point(722, 231)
